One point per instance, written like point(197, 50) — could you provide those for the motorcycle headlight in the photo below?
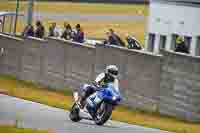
point(114, 98)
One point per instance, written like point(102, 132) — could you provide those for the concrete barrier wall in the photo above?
point(79, 64)
point(53, 54)
point(180, 86)
point(10, 59)
point(31, 61)
point(169, 84)
point(143, 77)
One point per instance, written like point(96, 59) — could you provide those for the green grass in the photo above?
point(82, 8)
point(10, 129)
point(33, 92)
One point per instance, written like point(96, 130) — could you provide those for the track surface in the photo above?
point(38, 116)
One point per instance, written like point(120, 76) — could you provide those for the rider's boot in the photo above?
point(82, 102)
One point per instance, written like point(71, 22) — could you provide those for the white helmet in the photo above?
point(112, 70)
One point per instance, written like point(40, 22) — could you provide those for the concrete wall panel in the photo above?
point(79, 64)
point(53, 65)
point(180, 86)
point(31, 59)
point(11, 56)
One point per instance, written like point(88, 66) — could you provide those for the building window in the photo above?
point(162, 41)
point(188, 41)
point(151, 41)
point(198, 47)
point(173, 45)
point(183, 41)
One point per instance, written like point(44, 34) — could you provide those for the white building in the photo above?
point(169, 18)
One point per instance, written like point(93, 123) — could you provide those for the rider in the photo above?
point(109, 76)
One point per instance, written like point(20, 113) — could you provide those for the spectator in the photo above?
point(79, 34)
point(1, 22)
point(40, 30)
point(28, 31)
point(114, 39)
point(133, 43)
point(54, 30)
point(67, 33)
point(181, 46)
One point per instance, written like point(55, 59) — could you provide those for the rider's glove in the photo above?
point(96, 84)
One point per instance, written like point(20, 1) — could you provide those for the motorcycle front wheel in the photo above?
point(103, 113)
point(74, 113)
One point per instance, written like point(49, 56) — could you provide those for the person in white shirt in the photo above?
point(54, 31)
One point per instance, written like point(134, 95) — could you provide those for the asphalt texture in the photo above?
point(27, 114)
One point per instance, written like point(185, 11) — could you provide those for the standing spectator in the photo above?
point(114, 39)
point(133, 43)
point(1, 27)
point(67, 33)
point(28, 31)
point(181, 46)
point(54, 30)
point(79, 34)
point(40, 30)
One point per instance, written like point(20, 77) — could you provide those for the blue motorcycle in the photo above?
point(98, 107)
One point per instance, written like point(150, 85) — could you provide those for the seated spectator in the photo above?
point(40, 30)
point(28, 31)
point(114, 39)
point(54, 31)
point(67, 33)
point(78, 34)
point(133, 43)
point(181, 46)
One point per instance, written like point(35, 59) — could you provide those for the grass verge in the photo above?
point(10, 129)
point(29, 91)
point(80, 8)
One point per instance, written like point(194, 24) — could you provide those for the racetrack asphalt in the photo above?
point(28, 114)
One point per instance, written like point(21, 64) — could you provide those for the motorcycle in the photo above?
point(98, 106)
